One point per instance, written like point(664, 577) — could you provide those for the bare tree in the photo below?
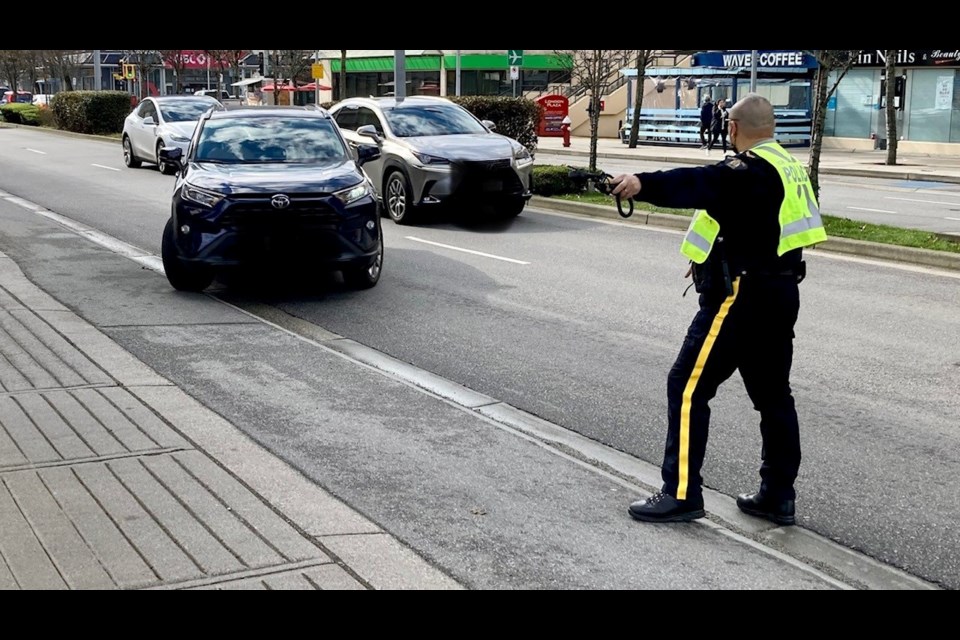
point(12, 67)
point(891, 111)
point(342, 90)
point(828, 62)
point(63, 64)
point(177, 61)
point(644, 58)
point(225, 59)
point(593, 71)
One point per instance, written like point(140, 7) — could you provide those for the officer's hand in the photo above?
point(626, 186)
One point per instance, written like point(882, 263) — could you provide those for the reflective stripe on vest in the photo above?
point(701, 233)
point(800, 222)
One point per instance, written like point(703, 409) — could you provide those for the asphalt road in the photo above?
point(577, 321)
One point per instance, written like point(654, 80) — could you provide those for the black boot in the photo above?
point(662, 507)
point(762, 506)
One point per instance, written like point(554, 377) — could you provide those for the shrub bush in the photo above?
point(47, 118)
point(98, 112)
point(517, 118)
point(20, 113)
point(555, 180)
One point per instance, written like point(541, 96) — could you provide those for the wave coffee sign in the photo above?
point(779, 59)
point(911, 58)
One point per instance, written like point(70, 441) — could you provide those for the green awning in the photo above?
point(385, 64)
point(476, 61)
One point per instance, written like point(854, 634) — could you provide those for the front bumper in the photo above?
point(478, 181)
point(243, 230)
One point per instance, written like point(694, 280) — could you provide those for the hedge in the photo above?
point(555, 180)
point(21, 113)
point(98, 112)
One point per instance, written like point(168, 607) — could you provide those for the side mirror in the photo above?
point(369, 131)
point(366, 153)
point(489, 124)
point(172, 155)
point(149, 121)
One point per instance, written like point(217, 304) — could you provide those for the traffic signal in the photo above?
point(130, 71)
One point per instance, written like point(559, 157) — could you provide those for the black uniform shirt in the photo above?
point(744, 194)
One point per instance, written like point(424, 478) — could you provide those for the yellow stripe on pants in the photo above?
point(683, 467)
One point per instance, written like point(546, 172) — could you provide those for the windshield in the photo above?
point(408, 121)
point(185, 110)
point(270, 139)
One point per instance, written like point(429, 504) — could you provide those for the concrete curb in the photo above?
point(60, 132)
point(923, 257)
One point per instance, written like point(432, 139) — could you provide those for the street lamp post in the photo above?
point(753, 71)
point(399, 75)
point(96, 70)
point(458, 72)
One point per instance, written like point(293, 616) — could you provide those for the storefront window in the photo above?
point(852, 109)
point(933, 106)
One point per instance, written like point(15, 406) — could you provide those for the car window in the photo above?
point(185, 110)
point(431, 120)
point(270, 139)
point(144, 107)
point(368, 116)
point(149, 109)
point(347, 118)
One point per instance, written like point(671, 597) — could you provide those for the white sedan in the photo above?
point(162, 121)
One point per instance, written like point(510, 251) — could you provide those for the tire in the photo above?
point(183, 276)
point(365, 277)
point(163, 167)
point(129, 160)
point(397, 198)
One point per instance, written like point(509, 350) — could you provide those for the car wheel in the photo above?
point(398, 200)
point(366, 276)
point(183, 276)
point(129, 159)
point(164, 167)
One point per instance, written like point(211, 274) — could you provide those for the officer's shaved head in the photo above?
point(754, 115)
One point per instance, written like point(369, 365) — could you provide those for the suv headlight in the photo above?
point(176, 137)
point(354, 193)
point(200, 196)
point(428, 159)
point(522, 157)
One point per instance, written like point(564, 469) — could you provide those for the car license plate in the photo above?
point(493, 185)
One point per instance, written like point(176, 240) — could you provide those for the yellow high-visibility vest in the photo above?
point(701, 233)
point(800, 221)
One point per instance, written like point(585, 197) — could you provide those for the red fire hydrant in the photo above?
point(565, 128)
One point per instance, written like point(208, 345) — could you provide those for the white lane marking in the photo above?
point(949, 218)
point(923, 201)
point(476, 253)
point(874, 210)
point(103, 166)
point(43, 153)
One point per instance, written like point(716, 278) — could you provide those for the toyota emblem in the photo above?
point(280, 201)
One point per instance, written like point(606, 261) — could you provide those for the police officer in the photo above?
point(756, 212)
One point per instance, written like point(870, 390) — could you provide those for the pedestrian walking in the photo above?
point(718, 126)
point(756, 211)
point(706, 119)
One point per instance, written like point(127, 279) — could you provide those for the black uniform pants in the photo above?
point(750, 331)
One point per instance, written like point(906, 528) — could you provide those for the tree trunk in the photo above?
point(819, 120)
point(891, 75)
point(638, 99)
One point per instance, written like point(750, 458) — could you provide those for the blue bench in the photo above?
point(682, 127)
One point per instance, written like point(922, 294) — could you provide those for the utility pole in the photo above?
point(97, 82)
point(458, 73)
point(753, 71)
point(399, 74)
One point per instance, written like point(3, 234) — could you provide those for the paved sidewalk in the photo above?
point(113, 478)
point(832, 161)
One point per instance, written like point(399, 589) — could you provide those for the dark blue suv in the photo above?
point(269, 184)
